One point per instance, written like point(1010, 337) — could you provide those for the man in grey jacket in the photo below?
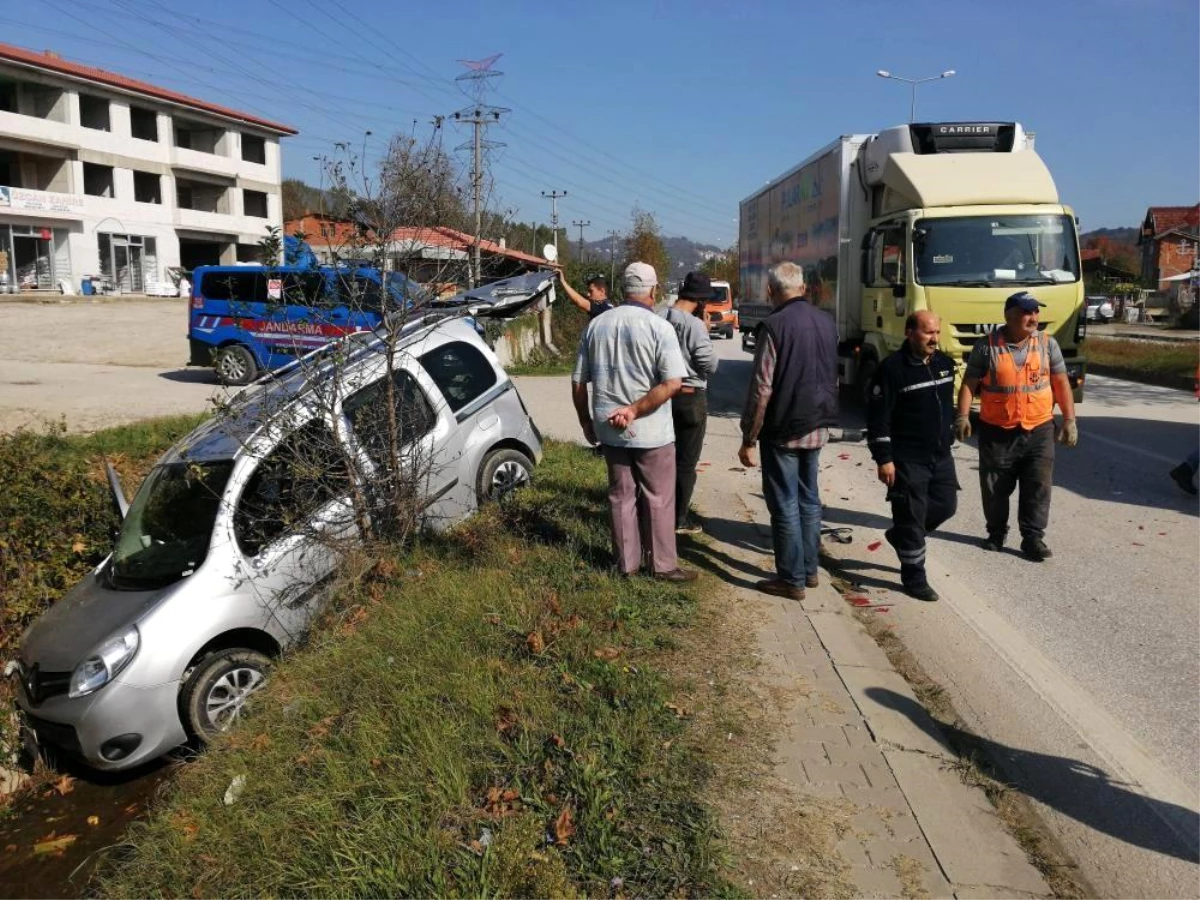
point(689, 408)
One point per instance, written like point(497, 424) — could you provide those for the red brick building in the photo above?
point(1169, 239)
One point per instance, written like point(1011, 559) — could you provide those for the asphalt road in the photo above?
point(1084, 671)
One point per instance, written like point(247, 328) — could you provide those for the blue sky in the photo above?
point(680, 108)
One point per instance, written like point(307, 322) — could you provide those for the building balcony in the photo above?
point(211, 163)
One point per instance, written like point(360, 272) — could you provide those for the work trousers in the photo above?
point(641, 501)
point(1010, 458)
point(690, 414)
point(789, 480)
point(924, 496)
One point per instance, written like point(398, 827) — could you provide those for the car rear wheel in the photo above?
point(502, 472)
point(235, 365)
point(217, 687)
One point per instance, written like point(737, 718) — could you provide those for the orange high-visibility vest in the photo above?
point(1010, 397)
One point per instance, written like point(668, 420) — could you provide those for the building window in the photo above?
point(254, 203)
point(147, 187)
point(93, 113)
point(254, 149)
point(201, 196)
point(143, 123)
point(191, 135)
point(98, 180)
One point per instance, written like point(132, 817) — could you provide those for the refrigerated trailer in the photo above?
point(949, 217)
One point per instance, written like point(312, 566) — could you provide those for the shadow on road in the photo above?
point(190, 376)
point(1081, 791)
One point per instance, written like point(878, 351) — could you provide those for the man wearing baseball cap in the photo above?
point(630, 356)
point(1018, 373)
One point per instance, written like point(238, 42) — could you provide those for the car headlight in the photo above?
point(105, 663)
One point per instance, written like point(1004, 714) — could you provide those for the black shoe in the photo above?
point(921, 592)
point(994, 543)
point(1035, 549)
point(1182, 476)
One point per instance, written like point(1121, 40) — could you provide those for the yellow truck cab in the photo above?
point(949, 217)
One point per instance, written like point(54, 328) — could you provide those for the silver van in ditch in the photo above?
point(225, 553)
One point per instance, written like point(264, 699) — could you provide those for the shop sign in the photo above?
point(25, 200)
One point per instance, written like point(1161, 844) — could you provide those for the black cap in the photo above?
point(1025, 300)
point(696, 286)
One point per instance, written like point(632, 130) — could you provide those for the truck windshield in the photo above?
point(986, 251)
point(165, 535)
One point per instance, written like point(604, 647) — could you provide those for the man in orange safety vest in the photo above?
point(1018, 373)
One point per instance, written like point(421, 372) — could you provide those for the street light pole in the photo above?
point(913, 82)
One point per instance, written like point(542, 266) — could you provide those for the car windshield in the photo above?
point(995, 251)
point(166, 533)
point(720, 295)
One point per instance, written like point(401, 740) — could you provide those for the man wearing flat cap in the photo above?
point(689, 408)
point(630, 357)
point(1019, 374)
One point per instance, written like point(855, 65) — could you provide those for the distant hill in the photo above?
point(685, 254)
point(1116, 235)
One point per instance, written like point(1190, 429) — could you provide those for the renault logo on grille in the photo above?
point(31, 678)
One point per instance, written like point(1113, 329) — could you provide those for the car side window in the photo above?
point(368, 413)
point(303, 473)
point(304, 289)
point(460, 371)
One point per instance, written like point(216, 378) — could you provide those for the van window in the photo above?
point(303, 473)
point(305, 289)
point(368, 413)
point(241, 287)
point(460, 371)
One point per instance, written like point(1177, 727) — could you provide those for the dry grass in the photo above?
point(1167, 364)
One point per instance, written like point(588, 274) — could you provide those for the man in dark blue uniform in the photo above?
point(910, 429)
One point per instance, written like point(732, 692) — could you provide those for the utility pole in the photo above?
point(479, 115)
point(612, 259)
point(580, 226)
point(553, 196)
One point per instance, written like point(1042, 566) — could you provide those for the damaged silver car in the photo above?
point(226, 552)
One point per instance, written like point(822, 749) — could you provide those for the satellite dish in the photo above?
point(550, 252)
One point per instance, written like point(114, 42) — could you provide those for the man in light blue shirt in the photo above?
point(630, 356)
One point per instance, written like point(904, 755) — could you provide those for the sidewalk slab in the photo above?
point(962, 828)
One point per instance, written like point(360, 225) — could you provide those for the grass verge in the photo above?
point(486, 714)
point(1167, 365)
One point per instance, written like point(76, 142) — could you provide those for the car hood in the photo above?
point(86, 616)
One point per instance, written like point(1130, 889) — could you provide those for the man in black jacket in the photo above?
point(910, 429)
point(792, 401)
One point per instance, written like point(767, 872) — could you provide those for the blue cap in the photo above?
point(1025, 300)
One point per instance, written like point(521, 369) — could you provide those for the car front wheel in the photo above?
point(502, 472)
point(217, 687)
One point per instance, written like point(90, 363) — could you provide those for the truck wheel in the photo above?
point(235, 365)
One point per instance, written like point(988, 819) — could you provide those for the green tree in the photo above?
point(724, 267)
point(645, 244)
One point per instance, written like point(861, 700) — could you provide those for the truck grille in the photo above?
point(969, 334)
